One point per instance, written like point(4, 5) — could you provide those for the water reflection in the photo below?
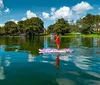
point(20, 61)
point(57, 61)
point(30, 58)
point(7, 60)
point(45, 42)
point(65, 81)
point(2, 75)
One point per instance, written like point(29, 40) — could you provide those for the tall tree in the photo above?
point(89, 23)
point(61, 26)
point(10, 27)
point(2, 31)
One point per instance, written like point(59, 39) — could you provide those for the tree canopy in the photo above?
point(31, 25)
point(89, 24)
point(86, 25)
point(61, 26)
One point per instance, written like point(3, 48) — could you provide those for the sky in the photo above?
point(48, 10)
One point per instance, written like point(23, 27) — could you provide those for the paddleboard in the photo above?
point(53, 50)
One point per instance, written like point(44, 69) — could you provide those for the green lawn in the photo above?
point(68, 35)
point(74, 34)
point(91, 35)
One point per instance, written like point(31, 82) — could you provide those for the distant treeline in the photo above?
point(28, 27)
point(35, 26)
point(88, 25)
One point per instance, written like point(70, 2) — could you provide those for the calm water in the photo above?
point(21, 63)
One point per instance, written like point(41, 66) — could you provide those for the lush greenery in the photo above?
point(28, 27)
point(61, 26)
point(90, 24)
point(19, 44)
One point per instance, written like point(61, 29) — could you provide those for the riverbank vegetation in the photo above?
point(86, 26)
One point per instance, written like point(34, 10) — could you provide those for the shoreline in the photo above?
point(66, 35)
point(73, 35)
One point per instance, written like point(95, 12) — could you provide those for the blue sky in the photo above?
point(48, 10)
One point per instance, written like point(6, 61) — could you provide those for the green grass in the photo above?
point(74, 34)
point(91, 35)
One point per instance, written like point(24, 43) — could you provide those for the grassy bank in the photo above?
point(66, 35)
point(91, 35)
point(74, 34)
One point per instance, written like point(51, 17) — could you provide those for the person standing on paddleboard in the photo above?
point(57, 41)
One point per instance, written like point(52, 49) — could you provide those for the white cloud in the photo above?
point(30, 14)
point(1, 4)
point(99, 8)
point(7, 10)
point(1, 25)
point(63, 12)
point(13, 20)
point(82, 7)
point(52, 10)
point(45, 15)
point(23, 19)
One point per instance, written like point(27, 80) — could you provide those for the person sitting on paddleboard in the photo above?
point(57, 41)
